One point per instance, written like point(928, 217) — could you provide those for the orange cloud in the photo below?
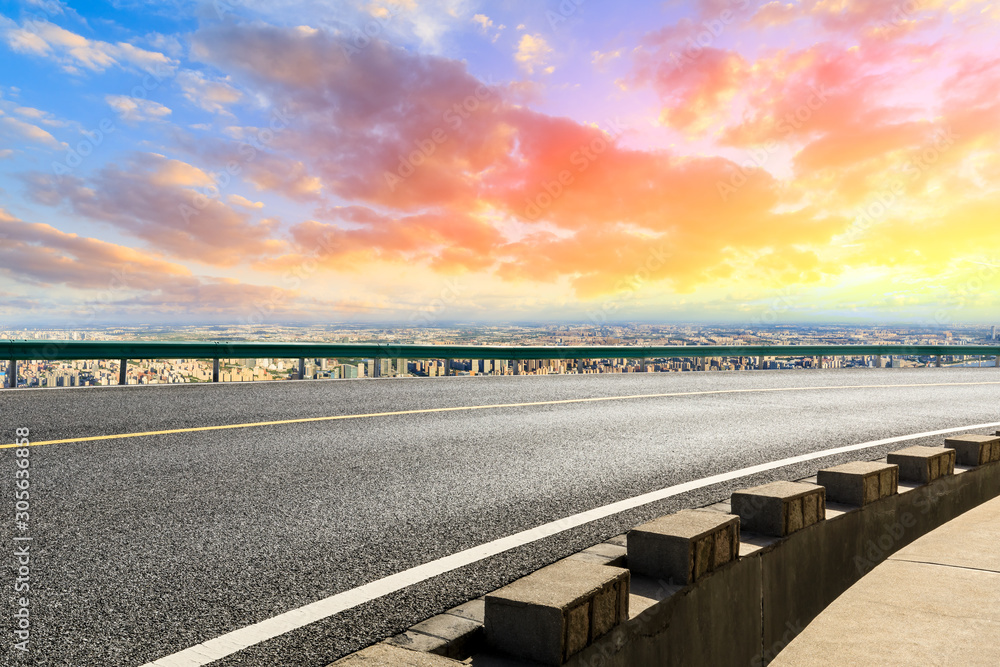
point(455, 146)
point(446, 241)
point(496, 188)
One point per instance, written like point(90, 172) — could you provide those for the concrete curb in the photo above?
point(742, 612)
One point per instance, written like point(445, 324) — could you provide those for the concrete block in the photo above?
point(684, 547)
point(975, 450)
point(385, 655)
point(779, 508)
point(472, 610)
point(923, 464)
point(461, 636)
point(859, 483)
point(557, 611)
point(418, 641)
point(604, 553)
point(715, 622)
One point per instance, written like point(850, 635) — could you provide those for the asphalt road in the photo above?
point(145, 546)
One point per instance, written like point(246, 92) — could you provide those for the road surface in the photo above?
point(144, 546)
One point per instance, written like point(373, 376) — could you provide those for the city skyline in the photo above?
point(427, 162)
point(557, 338)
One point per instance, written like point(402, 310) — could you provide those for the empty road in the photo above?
point(145, 543)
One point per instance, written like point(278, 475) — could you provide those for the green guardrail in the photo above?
point(68, 350)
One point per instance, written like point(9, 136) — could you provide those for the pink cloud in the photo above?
point(119, 277)
point(166, 203)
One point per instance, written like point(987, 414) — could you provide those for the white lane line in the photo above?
point(237, 640)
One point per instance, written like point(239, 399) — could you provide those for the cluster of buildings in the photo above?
point(175, 371)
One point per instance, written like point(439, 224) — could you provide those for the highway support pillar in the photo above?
point(123, 371)
point(215, 370)
point(12, 373)
point(937, 361)
point(447, 367)
point(302, 368)
point(997, 361)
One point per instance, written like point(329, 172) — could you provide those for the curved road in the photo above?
point(145, 546)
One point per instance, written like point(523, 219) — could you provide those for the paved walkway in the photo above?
point(935, 602)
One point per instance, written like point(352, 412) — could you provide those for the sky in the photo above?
point(430, 161)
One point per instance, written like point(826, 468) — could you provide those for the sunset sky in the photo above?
point(265, 161)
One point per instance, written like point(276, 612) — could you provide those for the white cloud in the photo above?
point(134, 110)
point(239, 200)
point(17, 127)
point(168, 44)
point(73, 51)
point(207, 94)
point(483, 21)
point(30, 112)
point(601, 60)
point(43, 117)
point(533, 52)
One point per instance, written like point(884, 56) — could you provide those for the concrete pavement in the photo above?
point(935, 602)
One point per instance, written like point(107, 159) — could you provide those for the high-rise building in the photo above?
point(993, 332)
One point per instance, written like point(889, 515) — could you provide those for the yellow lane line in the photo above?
point(197, 429)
